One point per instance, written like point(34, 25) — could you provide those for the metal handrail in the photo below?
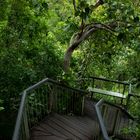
point(122, 87)
point(109, 80)
point(116, 127)
point(100, 119)
point(23, 100)
point(21, 108)
point(124, 110)
point(23, 105)
point(19, 117)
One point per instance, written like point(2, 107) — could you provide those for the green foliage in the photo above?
point(82, 9)
point(106, 54)
point(26, 54)
point(34, 36)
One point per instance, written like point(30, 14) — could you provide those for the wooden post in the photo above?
point(26, 126)
point(83, 105)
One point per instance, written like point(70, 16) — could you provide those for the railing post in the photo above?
point(26, 126)
point(124, 87)
point(115, 122)
point(83, 104)
point(129, 96)
point(50, 101)
point(93, 87)
point(127, 102)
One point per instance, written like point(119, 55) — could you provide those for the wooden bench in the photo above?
point(105, 92)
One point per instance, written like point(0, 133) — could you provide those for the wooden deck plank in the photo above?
point(62, 130)
point(83, 123)
point(58, 127)
point(48, 129)
point(39, 133)
point(74, 124)
point(40, 130)
point(90, 125)
point(70, 127)
point(48, 138)
point(81, 126)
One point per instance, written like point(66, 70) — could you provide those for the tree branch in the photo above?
point(97, 4)
point(88, 31)
point(74, 4)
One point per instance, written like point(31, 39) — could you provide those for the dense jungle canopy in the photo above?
point(66, 40)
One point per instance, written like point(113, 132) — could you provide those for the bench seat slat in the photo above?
point(111, 93)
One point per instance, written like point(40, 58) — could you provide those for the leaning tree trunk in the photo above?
point(78, 38)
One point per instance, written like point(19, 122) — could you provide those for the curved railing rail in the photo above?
point(43, 98)
point(112, 119)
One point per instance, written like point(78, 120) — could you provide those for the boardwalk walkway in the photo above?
point(62, 127)
point(50, 98)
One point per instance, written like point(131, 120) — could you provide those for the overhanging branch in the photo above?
point(79, 38)
point(74, 4)
point(97, 4)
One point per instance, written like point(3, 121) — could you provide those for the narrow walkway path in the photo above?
point(62, 127)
